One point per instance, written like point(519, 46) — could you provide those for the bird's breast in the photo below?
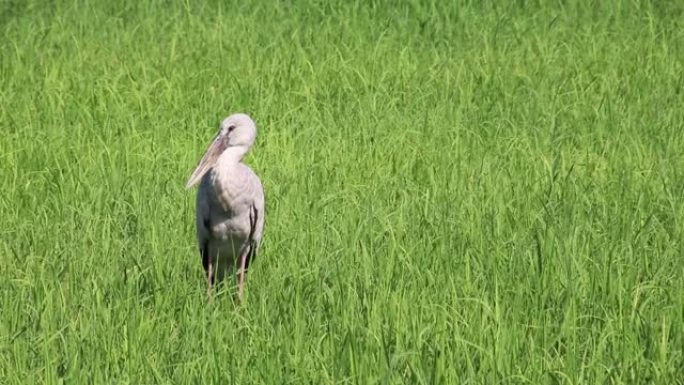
point(229, 202)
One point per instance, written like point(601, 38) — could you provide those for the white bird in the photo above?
point(230, 202)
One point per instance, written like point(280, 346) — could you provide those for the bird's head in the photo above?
point(236, 134)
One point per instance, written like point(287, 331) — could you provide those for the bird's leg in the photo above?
point(210, 277)
point(241, 275)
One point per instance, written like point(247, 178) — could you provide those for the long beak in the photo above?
point(208, 161)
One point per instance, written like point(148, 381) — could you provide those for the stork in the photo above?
point(230, 203)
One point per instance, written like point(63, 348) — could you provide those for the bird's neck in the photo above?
point(231, 156)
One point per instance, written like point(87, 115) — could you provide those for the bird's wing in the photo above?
point(203, 223)
point(256, 222)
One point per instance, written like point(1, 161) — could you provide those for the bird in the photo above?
point(230, 204)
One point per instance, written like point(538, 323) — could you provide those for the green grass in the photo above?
point(457, 193)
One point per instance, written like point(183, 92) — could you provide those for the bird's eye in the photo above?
point(231, 128)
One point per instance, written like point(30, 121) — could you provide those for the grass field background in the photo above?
point(457, 192)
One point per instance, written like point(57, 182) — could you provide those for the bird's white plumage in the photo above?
point(230, 208)
point(230, 201)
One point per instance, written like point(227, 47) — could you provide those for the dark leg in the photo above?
point(208, 267)
point(241, 275)
point(210, 277)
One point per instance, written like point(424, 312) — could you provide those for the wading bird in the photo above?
point(230, 202)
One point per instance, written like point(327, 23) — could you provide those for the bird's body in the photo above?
point(230, 202)
point(230, 221)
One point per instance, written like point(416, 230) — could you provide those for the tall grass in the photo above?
point(457, 192)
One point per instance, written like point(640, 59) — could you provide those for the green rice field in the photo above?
point(457, 192)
